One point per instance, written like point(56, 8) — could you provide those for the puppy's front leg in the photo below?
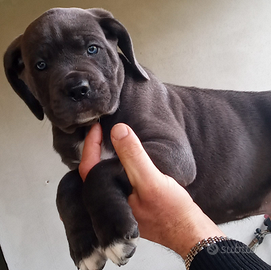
point(174, 158)
point(83, 243)
point(105, 195)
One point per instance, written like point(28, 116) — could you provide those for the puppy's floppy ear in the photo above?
point(114, 28)
point(14, 65)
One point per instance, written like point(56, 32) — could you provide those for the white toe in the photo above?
point(120, 252)
point(95, 261)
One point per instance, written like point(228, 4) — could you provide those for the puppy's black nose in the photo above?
point(79, 91)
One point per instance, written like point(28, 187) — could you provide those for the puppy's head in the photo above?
point(66, 65)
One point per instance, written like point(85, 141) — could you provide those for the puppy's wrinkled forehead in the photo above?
point(62, 27)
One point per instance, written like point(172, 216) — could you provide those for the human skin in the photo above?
point(165, 212)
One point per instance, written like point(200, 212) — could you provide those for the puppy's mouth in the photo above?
point(80, 123)
point(83, 119)
point(86, 120)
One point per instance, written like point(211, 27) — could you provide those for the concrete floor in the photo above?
point(205, 43)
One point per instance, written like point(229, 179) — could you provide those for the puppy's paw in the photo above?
point(120, 252)
point(96, 261)
point(105, 195)
point(83, 244)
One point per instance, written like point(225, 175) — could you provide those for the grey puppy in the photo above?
point(217, 144)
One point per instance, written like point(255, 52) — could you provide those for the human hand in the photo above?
point(165, 212)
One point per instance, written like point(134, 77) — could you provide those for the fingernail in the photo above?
point(119, 131)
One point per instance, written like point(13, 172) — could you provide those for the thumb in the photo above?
point(135, 160)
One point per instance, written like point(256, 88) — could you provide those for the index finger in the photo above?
point(92, 150)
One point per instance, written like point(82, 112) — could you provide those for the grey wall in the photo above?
point(206, 43)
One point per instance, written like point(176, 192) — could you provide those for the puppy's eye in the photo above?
point(41, 65)
point(92, 50)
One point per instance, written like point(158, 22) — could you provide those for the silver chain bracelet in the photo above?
point(200, 246)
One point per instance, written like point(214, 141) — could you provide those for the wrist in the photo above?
point(205, 243)
point(197, 226)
